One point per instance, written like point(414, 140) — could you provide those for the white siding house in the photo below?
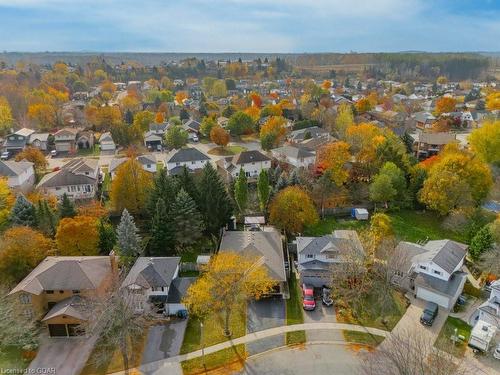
point(188, 157)
point(252, 162)
point(20, 174)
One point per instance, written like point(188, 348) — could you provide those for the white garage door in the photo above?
point(63, 147)
point(428, 295)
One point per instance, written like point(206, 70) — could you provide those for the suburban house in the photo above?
point(489, 311)
point(188, 157)
point(222, 121)
point(192, 127)
point(78, 179)
point(147, 284)
point(106, 142)
point(39, 141)
point(252, 162)
point(16, 142)
point(20, 174)
point(427, 144)
point(432, 271)
point(57, 291)
point(114, 164)
point(318, 256)
point(424, 120)
point(300, 135)
point(266, 243)
point(65, 139)
point(85, 139)
point(295, 155)
point(153, 140)
point(148, 162)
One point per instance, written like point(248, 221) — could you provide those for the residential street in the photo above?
point(264, 314)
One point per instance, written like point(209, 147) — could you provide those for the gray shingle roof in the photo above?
point(249, 157)
point(147, 159)
point(447, 254)
point(151, 272)
point(265, 243)
point(187, 154)
point(14, 168)
point(71, 174)
point(448, 288)
point(178, 289)
point(74, 307)
point(296, 152)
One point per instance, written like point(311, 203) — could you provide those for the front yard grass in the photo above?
point(443, 342)
point(231, 359)
point(294, 314)
point(226, 151)
point(362, 338)
point(92, 151)
point(408, 225)
point(11, 357)
point(213, 330)
point(116, 362)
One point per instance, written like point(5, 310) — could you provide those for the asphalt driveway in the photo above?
point(322, 314)
point(164, 341)
point(263, 314)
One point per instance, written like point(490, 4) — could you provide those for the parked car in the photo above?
point(53, 153)
point(159, 148)
point(326, 297)
point(308, 302)
point(5, 155)
point(429, 314)
point(195, 138)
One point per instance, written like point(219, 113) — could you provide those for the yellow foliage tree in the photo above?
point(333, 157)
point(35, 156)
point(292, 209)
point(6, 201)
point(77, 236)
point(21, 249)
point(363, 105)
point(364, 140)
point(493, 101)
point(180, 96)
point(130, 187)
point(253, 112)
point(445, 104)
point(45, 115)
point(485, 142)
point(275, 125)
point(226, 284)
point(6, 119)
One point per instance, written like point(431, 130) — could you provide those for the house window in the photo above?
point(25, 298)
point(423, 268)
point(331, 256)
point(193, 162)
point(49, 291)
point(436, 272)
point(148, 165)
point(76, 291)
point(310, 256)
point(28, 313)
point(86, 173)
point(61, 291)
point(177, 164)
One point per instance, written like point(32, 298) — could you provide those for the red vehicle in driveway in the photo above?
point(308, 302)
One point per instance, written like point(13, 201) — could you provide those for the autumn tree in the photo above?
point(180, 97)
point(227, 283)
point(77, 236)
point(388, 184)
point(187, 219)
point(219, 136)
point(6, 118)
point(263, 189)
point(176, 137)
point(241, 191)
point(493, 101)
point(364, 140)
point(364, 105)
point(21, 249)
point(292, 209)
point(333, 158)
point(445, 104)
point(214, 203)
point(273, 130)
point(240, 123)
point(143, 119)
point(128, 241)
point(207, 124)
point(6, 201)
point(43, 114)
point(130, 187)
point(35, 156)
point(23, 212)
point(485, 142)
point(159, 117)
point(345, 118)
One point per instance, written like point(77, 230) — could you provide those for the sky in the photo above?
point(250, 25)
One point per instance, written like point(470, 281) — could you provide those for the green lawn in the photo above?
point(444, 342)
point(11, 358)
point(93, 151)
point(294, 314)
point(226, 151)
point(362, 338)
point(204, 245)
point(408, 225)
point(232, 358)
point(213, 330)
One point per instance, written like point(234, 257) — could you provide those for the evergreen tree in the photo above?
point(241, 191)
point(281, 183)
point(162, 231)
point(164, 187)
point(47, 221)
point(481, 242)
point(129, 117)
point(214, 202)
point(187, 182)
point(107, 237)
point(23, 212)
point(276, 175)
point(188, 221)
point(128, 241)
point(294, 178)
point(263, 189)
point(66, 208)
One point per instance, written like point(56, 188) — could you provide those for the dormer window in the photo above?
point(49, 292)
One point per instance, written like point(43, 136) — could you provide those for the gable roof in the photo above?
point(115, 163)
point(447, 254)
point(66, 273)
point(314, 131)
point(187, 154)
point(291, 151)
point(72, 173)
point(74, 307)
point(14, 168)
point(66, 131)
point(149, 272)
point(246, 157)
point(341, 241)
point(146, 159)
point(178, 289)
point(265, 243)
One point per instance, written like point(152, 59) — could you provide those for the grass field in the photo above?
point(444, 342)
point(226, 151)
point(408, 225)
point(362, 338)
point(294, 314)
point(228, 360)
point(11, 358)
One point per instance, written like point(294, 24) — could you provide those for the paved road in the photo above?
point(164, 341)
point(312, 359)
point(322, 314)
point(66, 355)
point(264, 314)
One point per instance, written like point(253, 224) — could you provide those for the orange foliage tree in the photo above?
point(35, 156)
point(256, 99)
point(364, 139)
point(273, 129)
point(77, 236)
point(180, 96)
point(333, 157)
point(160, 117)
point(445, 104)
point(326, 84)
point(363, 105)
point(219, 136)
point(493, 101)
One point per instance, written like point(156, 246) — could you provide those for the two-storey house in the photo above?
point(188, 157)
point(58, 290)
point(78, 179)
point(318, 256)
point(16, 142)
point(65, 139)
point(489, 311)
point(252, 163)
point(296, 155)
point(432, 271)
point(20, 174)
